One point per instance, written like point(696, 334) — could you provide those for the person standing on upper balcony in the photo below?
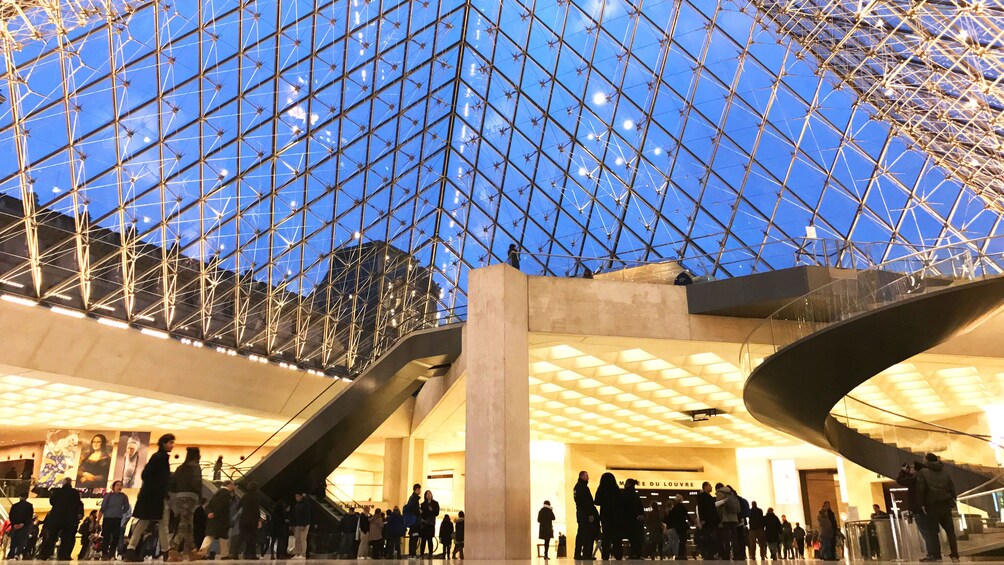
point(513, 255)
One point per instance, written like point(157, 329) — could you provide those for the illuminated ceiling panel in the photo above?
point(210, 168)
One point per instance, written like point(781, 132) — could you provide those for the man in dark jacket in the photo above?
point(410, 514)
point(756, 535)
point(347, 534)
point(634, 518)
point(61, 521)
point(21, 514)
point(772, 532)
point(248, 522)
point(585, 518)
point(301, 524)
point(936, 492)
point(218, 520)
point(150, 503)
point(708, 521)
point(678, 519)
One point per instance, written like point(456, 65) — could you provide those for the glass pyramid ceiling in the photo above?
point(208, 168)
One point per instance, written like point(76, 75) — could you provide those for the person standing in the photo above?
point(218, 469)
point(218, 520)
point(376, 534)
point(678, 519)
point(936, 492)
point(301, 525)
point(908, 478)
point(633, 518)
point(363, 536)
point(756, 535)
point(199, 523)
point(395, 532)
point(458, 531)
point(411, 518)
point(654, 532)
point(512, 255)
point(728, 511)
point(826, 532)
point(446, 535)
point(611, 503)
point(61, 522)
point(21, 514)
point(114, 506)
point(150, 507)
point(799, 534)
point(347, 528)
point(708, 521)
point(88, 529)
point(585, 517)
point(428, 514)
point(772, 531)
point(279, 531)
point(250, 516)
point(545, 529)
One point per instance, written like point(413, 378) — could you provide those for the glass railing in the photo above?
point(979, 451)
point(863, 291)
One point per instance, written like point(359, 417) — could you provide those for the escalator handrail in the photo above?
point(983, 438)
point(335, 380)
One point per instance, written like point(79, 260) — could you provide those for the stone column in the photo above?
point(497, 491)
point(405, 462)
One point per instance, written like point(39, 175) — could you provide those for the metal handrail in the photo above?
point(969, 495)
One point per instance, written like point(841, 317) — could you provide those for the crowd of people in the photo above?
point(725, 526)
point(379, 534)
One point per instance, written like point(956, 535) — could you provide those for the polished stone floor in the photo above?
point(523, 562)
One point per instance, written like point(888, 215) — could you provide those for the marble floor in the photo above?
point(520, 562)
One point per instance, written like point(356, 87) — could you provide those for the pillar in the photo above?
point(497, 491)
point(405, 462)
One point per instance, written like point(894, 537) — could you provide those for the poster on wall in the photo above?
point(131, 458)
point(60, 456)
point(95, 464)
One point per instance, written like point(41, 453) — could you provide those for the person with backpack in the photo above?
point(936, 492)
point(411, 518)
point(186, 490)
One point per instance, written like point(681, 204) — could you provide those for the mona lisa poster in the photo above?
point(95, 463)
point(130, 458)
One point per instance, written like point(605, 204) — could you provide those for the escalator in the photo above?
point(305, 458)
point(843, 334)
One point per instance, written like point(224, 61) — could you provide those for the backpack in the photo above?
point(744, 508)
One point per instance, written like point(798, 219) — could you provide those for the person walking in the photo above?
point(757, 539)
point(150, 507)
point(611, 503)
point(446, 536)
point(678, 520)
point(458, 534)
point(654, 532)
point(249, 520)
point(585, 517)
point(787, 537)
point(633, 513)
point(708, 521)
point(799, 534)
point(545, 528)
point(114, 506)
point(936, 492)
point(61, 522)
point(772, 532)
point(185, 491)
point(301, 525)
point(21, 514)
point(218, 521)
point(428, 513)
point(826, 533)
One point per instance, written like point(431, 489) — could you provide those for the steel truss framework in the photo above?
point(202, 167)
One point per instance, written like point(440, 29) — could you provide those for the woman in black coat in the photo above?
point(634, 518)
point(608, 498)
point(152, 495)
point(545, 517)
point(218, 520)
point(428, 511)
